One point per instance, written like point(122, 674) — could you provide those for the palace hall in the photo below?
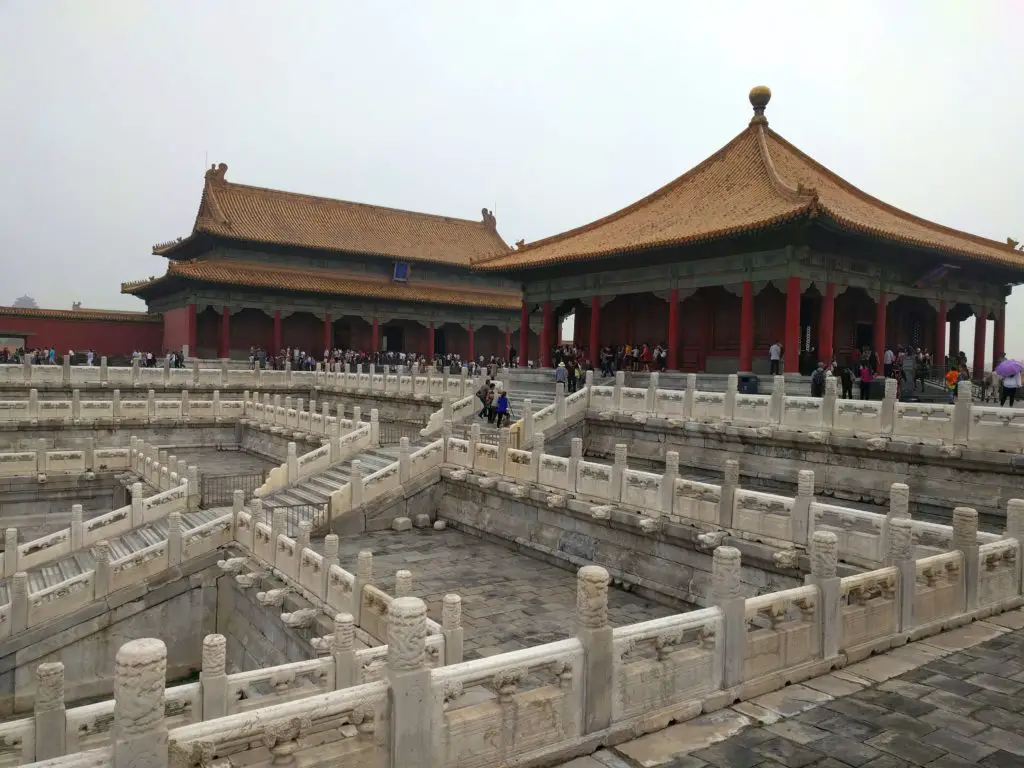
point(272, 269)
point(761, 244)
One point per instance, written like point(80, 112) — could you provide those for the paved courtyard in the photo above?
point(211, 461)
point(509, 601)
point(950, 701)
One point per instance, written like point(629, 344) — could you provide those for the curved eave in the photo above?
point(655, 245)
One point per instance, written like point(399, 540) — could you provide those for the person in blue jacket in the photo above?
point(502, 409)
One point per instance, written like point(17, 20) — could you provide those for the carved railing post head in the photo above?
point(592, 597)
point(403, 583)
point(576, 448)
point(140, 672)
point(672, 462)
point(237, 500)
point(900, 540)
point(831, 386)
point(407, 634)
point(49, 687)
point(805, 482)
point(451, 612)
point(899, 500)
point(965, 527)
point(137, 490)
point(364, 566)
point(343, 638)
point(620, 454)
point(824, 554)
point(732, 472)
point(214, 655)
point(11, 542)
point(725, 573)
point(331, 546)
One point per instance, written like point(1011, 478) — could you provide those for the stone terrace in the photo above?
point(509, 600)
point(959, 705)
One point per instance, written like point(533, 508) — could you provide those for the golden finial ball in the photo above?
point(760, 95)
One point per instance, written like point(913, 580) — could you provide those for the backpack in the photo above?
point(818, 378)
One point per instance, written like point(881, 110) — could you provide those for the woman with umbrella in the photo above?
point(1009, 371)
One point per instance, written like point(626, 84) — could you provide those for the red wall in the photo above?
point(176, 329)
point(105, 337)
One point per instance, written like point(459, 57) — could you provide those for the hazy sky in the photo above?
point(553, 113)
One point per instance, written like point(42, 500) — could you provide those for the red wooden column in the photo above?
point(430, 341)
point(225, 332)
point(999, 340)
point(880, 309)
point(747, 328)
point(546, 336)
point(791, 352)
point(595, 329)
point(672, 363)
point(826, 330)
point(328, 336)
point(980, 329)
point(940, 337)
point(524, 335)
point(472, 346)
point(375, 336)
point(275, 343)
point(190, 331)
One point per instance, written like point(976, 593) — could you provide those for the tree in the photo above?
point(26, 302)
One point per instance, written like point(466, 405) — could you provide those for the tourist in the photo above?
point(1009, 389)
point(560, 375)
point(818, 381)
point(501, 408)
point(867, 377)
point(888, 361)
point(490, 399)
point(846, 381)
point(775, 358)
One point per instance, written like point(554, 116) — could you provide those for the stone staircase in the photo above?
point(316, 490)
point(77, 563)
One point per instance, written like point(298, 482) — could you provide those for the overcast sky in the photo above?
point(553, 113)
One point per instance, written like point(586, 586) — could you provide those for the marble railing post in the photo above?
point(725, 593)
point(138, 505)
point(10, 551)
point(730, 482)
point(185, 410)
point(403, 460)
point(502, 449)
point(651, 399)
point(19, 602)
point(101, 569)
point(278, 526)
point(89, 451)
point(330, 558)
point(346, 670)
point(237, 505)
point(292, 464)
point(409, 681)
point(257, 515)
point(403, 583)
point(213, 677)
point(595, 635)
point(195, 373)
point(527, 437)
point(49, 712)
point(1015, 530)
point(77, 531)
point(374, 428)
point(536, 456)
point(66, 377)
point(76, 405)
point(689, 396)
point(33, 404)
point(618, 471)
point(889, 406)
point(167, 371)
point(802, 506)
point(446, 435)
point(41, 464)
point(899, 552)
point(140, 730)
point(302, 537)
point(355, 481)
point(103, 370)
point(620, 382)
point(962, 412)
point(135, 372)
point(828, 402)
point(474, 440)
point(193, 489)
point(364, 578)
point(151, 403)
point(575, 457)
point(777, 400)
point(731, 387)
point(824, 560)
point(965, 539)
point(325, 413)
point(899, 506)
point(26, 370)
point(115, 403)
point(451, 628)
point(668, 482)
point(175, 540)
point(357, 417)
point(560, 402)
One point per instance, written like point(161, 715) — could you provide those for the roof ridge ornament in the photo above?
point(489, 218)
point(760, 95)
point(217, 173)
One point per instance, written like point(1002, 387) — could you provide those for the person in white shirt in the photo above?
point(887, 360)
point(775, 358)
point(1009, 389)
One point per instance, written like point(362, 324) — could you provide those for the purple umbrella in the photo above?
point(1009, 368)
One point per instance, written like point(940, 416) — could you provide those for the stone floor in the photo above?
point(950, 701)
point(211, 461)
point(509, 601)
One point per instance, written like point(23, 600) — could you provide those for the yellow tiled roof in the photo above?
point(329, 282)
point(80, 314)
point(757, 180)
point(262, 215)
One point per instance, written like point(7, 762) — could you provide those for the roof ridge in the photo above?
point(798, 193)
point(660, 192)
point(867, 197)
point(322, 198)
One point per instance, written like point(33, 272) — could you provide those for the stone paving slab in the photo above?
point(509, 600)
point(949, 701)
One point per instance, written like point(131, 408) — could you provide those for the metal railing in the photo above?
point(488, 433)
point(392, 432)
point(317, 514)
point(219, 490)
